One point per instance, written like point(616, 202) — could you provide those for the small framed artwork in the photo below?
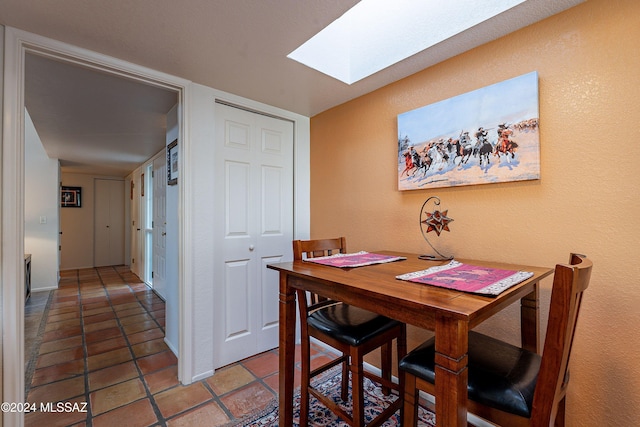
point(172, 163)
point(70, 197)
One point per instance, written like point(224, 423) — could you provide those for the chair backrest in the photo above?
point(320, 247)
point(315, 248)
point(569, 283)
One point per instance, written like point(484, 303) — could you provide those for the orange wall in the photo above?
point(587, 199)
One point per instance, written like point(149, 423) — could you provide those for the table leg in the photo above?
point(452, 343)
point(287, 328)
point(530, 321)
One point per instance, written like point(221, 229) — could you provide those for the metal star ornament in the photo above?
point(437, 221)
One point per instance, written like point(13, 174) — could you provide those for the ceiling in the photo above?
point(94, 122)
point(90, 119)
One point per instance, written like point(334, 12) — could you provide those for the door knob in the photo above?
point(251, 247)
point(164, 234)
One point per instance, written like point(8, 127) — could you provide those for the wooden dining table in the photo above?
point(449, 313)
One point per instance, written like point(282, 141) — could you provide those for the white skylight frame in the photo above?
point(375, 34)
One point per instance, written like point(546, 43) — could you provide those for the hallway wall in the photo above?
point(41, 210)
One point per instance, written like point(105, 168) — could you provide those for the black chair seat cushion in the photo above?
point(348, 324)
point(501, 376)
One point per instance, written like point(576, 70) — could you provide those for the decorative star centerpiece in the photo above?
point(437, 221)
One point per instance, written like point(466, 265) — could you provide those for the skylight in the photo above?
point(375, 34)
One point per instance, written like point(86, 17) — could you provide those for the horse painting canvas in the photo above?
point(485, 136)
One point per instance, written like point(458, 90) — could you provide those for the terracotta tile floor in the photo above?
point(101, 343)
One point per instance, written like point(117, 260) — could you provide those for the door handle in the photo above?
point(164, 234)
point(251, 248)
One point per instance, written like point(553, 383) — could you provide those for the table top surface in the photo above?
point(376, 288)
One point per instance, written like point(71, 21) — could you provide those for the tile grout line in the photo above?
point(214, 396)
point(150, 396)
point(260, 380)
point(45, 317)
point(87, 390)
point(122, 332)
point(35, 351)
point(78, 293)
point(217, 399)
point(95, 285)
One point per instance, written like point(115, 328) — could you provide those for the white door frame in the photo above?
point(17, 44)
point(146, 249)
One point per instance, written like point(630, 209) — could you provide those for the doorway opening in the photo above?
point(17, 45)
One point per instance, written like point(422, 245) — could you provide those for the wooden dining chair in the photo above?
point(352, 331)
point(508, 385)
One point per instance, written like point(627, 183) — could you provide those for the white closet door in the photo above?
point(254, 227)
point(108, 222)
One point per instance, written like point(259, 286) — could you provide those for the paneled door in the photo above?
point(253, 216)
point(160, 225)
point(109, 222)
point(137, 262)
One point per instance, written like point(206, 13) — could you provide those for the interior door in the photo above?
point(135, 226)
point(254, 227)
point(160, 225)
point(108, 222)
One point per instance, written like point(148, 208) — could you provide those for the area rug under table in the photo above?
point(319, 415)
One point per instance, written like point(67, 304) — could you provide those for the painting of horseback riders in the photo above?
point(489, 135)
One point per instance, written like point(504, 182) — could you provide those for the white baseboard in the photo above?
point(171, 347)
point(202, 376)
point(77, 268)
point(46, 288)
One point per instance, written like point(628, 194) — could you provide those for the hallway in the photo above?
point(100, 341)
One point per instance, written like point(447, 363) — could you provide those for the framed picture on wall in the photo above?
point(172, 163)
point(70, 197)
point(489, 135)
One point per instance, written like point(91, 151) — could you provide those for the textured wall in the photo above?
point(41, 209)
point(586, 200)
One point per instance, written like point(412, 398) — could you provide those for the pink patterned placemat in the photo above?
point(468, 278)
point(358, 259)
